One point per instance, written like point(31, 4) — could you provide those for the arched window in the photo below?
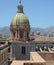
point(21, 34)
point(14, 34)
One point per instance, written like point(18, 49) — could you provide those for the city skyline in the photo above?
point(40, 13)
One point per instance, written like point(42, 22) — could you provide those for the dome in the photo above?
point(19, 26)
point(20, 19)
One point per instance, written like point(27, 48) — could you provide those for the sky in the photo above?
point(39, 12)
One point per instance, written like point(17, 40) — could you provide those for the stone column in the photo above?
point(24, 35)
point(16, 35)
point(11, 35)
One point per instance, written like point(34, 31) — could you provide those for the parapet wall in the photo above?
point(48, 57)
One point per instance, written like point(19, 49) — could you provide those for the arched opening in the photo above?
point(14, 34)
point(21, 34)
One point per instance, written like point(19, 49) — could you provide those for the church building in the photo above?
point(19, 36)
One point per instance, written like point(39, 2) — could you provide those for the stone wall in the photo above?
point(4, 55)
point(16, 50)
point(48, 57)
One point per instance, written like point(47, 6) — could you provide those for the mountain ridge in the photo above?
point(50, 30)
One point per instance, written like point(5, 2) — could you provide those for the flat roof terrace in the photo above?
point(35, 59)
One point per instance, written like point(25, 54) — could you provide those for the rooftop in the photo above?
point(37, 59)
point(40, 38)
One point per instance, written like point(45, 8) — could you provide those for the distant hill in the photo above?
point(50, 30)
point(5, 31)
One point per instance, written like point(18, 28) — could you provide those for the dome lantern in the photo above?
point(20, 7)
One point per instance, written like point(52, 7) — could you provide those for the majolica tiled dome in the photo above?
point(20, 18)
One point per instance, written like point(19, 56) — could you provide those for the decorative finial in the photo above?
point(20, 7)
point(20, 1)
